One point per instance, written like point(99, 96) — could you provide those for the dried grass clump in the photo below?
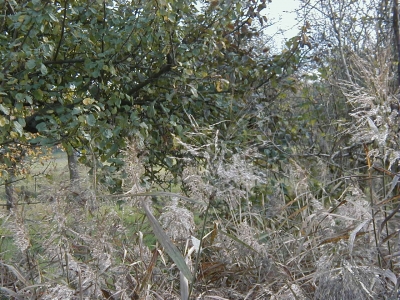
point(59, 292)
point(289, 292)
point(133, 167)
point(17, 226)
point(178, 222)
point(68, 251)
point(230, 179)
point(375, 117)
point(351, 282)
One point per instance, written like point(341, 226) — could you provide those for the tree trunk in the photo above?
point(72, 166)
point(10, 192)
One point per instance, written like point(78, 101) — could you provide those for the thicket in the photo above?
point(294, 196)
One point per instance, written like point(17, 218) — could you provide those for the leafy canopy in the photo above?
point(90, 73)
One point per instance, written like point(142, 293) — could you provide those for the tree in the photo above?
point(90, 74)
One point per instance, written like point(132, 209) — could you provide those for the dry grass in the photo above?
point(79, 245)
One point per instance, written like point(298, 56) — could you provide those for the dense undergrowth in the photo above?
point(322, 223)
point(257, 243)
point(296, 196)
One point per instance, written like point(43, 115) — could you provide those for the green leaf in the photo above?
point(41, 127)
point(21, 18)
point(193, 90)
point(4, 109)
point(169, 161)
point(278, 70)
point(20, 96)
point(112, 70)
point(3, 121)
point(151, 111)
point(108, 133)
point(53, 17)
point(12, 81)
point(91, 120)
point(30, 64)
point(37, 94)
point(18, 127)
point(28, 99)
point(22, 122)
point(43, 69)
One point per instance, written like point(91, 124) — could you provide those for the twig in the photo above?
point(62, 30)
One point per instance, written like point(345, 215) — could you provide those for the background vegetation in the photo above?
point(168, 150)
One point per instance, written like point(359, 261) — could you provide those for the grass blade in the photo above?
point(165, 241)
point(353, 234)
